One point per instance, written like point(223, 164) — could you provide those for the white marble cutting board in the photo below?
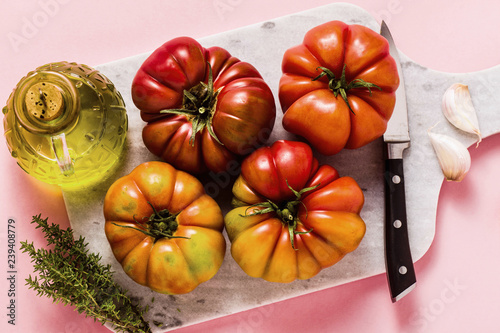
point(263, 45)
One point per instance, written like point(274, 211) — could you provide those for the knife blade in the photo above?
point(399, 264)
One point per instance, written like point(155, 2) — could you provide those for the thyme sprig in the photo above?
point(69, 274)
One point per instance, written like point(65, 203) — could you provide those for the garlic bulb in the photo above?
point(453, 156)
point(458, 109)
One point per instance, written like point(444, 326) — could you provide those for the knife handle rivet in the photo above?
point(396, 179)
point(397, 224)
point(403, 270)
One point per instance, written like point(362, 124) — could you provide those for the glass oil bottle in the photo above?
point(66, 124)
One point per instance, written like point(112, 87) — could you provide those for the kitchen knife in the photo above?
point(399, 263)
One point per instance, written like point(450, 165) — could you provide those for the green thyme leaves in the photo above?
point(68, 273)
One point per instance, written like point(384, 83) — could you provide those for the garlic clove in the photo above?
point(454, 158)
point(458, 109)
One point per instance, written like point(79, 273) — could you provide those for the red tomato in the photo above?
point(338, 87)
point(293, 217)
point(204, 107)
point(163, 228)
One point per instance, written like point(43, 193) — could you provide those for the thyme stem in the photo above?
point(69, 274)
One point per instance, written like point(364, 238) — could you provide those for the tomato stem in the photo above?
point(161, 224)
point(198, 106)
point(287, 214)
point(340, 85)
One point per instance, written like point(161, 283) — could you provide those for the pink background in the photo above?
point(456, 279)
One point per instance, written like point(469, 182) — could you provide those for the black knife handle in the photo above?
point(399, 263)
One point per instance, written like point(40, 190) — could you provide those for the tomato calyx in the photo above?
point(161, 224)
point(341, 86)
point(287, 212)
point(198, 105)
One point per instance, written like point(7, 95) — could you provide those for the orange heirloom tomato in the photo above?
point(338, 87)
point(163, 228)
point(293, 217)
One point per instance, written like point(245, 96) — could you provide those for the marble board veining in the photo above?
point(263, 45)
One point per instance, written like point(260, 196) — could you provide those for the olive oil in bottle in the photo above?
point(66, 124)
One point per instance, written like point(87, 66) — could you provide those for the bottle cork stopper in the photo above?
point(44, 101)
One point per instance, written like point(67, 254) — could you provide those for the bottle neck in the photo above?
point(46, 103)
